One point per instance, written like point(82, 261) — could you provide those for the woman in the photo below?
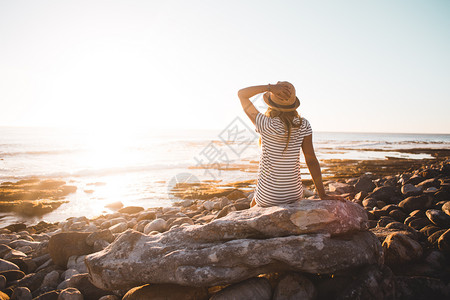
point(283, 134)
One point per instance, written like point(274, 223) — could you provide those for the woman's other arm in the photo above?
point(314, 168)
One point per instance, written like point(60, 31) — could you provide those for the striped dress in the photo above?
point(279, 180)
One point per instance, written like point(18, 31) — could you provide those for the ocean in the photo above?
point(139, 167)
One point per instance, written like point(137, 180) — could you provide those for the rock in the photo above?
point(12, 275)
point(32, 281)
point(63, 245)
point(373, 282)
point(384, 221)
point(418, 223)
point(21, 293)
point(141, 225)
point(433, 182)
point(70, 294)
point(418, 287)
point(146, 215)
point(253, 288)
point(109, 297)
point(52, 295)
point(431, 190)
point(433, 238)
point(14, 254)
point(436, 259)
point(4, 296)
point(51, 279)
point(115, 205)
point(446, 208)
point(99, 245)
point(242, 204)
point(166, 291)
point(340, 188)
point(119, 227)
point(4, 249)
point(82, 283)
point(236, 194)
point(398, 215)
point(444, 242)
point(416, 179)
point(155, 225)
point(411, 190)
point(294, 286)
point(25, 249)
point(383, 193)
point(6, 265)
point(114, 221)
point(442, 195)
point(225, 211)
point(369, 202)
point(69, 273)
point(170, 210)
point(364, 184)
point(241, 245)
point(399, 248)
point(208, 205)
point(398, 226)
point(22, 243)
point(181, 221)
point(418, 213)
point(224, 201)
point(438, 217)
point(360, 196)
point(39, 260)
point(105, 234)
point(416, 202)
point(77, 263)
point(131, 210)
point(429, 230)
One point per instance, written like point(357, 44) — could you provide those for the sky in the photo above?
point(358, 66)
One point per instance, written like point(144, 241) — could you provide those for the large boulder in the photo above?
point(309, 236)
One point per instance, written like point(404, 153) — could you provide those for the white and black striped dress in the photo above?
point(279, 179)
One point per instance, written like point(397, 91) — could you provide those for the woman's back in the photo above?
point(279, 179)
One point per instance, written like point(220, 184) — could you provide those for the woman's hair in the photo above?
point(287, 117)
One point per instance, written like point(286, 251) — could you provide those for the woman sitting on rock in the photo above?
point(283, 133)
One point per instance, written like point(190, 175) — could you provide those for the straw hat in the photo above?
point(281, 104)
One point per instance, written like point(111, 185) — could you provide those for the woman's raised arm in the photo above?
point(246, 93)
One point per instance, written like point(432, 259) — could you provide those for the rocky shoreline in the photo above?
point(406, 216)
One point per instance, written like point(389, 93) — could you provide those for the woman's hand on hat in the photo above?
point(281, 91)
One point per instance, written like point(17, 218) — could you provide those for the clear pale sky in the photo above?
point(359, 66)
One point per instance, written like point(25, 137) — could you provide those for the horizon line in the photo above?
point(201, 129)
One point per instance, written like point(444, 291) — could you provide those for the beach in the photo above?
point(406, 216)
point(54, 242)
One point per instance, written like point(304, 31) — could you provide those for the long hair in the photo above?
point(287, 117)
